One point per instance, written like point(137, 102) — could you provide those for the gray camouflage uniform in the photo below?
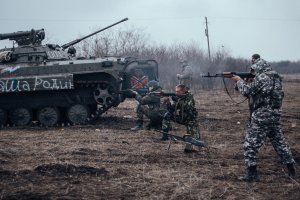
point(266, 95)
point(185, 78)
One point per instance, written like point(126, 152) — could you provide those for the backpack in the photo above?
point(276, 93)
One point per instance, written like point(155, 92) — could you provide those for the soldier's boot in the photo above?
point(164, 136)
point(251, 175)
point(138, 126)
point(156, 125)
point(150, 125)
point(291, 170)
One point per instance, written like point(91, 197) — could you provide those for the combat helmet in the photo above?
point(153, 85)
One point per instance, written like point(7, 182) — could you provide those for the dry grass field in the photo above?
point(105, 160)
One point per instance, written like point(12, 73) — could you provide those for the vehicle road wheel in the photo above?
point(20, 116)
point(3, 116)
point(48, 116)
point(103, 94)
point(78, 114)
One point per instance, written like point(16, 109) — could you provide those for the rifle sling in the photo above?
point(226, 89)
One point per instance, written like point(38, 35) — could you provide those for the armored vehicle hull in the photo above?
point(47, 84)
point(70, 90)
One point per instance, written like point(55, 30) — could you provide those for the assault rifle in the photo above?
point(243, 75)
point(186, 138)
point(128, 93)
point(163, 94)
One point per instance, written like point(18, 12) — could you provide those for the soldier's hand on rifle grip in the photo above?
point(235, 78)
point(249, 80)
point(133, 93)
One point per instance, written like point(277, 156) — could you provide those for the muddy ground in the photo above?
point(105, 160)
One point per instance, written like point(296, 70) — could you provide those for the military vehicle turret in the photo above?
point(49, 84)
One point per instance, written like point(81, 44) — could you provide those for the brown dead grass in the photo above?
point(105, 160)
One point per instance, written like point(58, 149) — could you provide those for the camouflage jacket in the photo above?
point(184, 108)
point(265, 92)
point(151, 100)
point(185, 77)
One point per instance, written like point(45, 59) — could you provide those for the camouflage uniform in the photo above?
point(139, 81)
point(149, 105)
point(183, 111)
point(266, 95)
point(185, 78)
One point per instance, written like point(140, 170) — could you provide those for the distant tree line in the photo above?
point(133, 42)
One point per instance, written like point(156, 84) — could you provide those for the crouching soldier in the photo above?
point(149, 105)
point(182, 111)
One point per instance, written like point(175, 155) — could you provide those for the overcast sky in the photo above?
point(242, 27)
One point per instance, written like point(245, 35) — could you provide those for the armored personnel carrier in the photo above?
point(49, 84)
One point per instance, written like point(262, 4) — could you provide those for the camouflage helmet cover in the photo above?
point(260, 65)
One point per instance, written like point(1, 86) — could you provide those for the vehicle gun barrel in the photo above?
point(25, 37)
point(5, 36)
point(80, 39)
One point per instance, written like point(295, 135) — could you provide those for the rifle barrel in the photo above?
point(230, 74)
point(164, 94)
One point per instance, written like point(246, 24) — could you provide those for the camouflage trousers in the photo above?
point(155, 115)
point(256, 136)
point(192, 127)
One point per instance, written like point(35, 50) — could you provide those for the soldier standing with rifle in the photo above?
point(266, 94)
point(182, 111)
point(185, 78)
